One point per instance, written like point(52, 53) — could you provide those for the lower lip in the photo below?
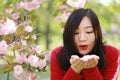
point(83, 48)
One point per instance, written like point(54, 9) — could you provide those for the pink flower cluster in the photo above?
point(17, 46)
point(33, 60)
point(3, 47)
point(20, 74)
point(7, 27)
point(30, 5)
point(76, 3)
point(65, 8)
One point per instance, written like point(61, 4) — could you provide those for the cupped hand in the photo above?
point(86, 62)
point(77, 64)
point(90, 61)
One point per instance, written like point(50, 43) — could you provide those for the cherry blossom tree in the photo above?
point(18, 52)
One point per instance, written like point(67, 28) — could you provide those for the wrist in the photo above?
point(76, 70)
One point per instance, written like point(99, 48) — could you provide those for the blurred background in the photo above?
point(47, 22)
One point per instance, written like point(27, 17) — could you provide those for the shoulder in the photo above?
point(56, 50)
point(53, 55)
point(111, 52)
point(111, 49)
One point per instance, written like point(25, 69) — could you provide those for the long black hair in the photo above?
point(69, 47)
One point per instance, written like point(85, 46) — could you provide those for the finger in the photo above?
point(74, 56)
point(78, 64)
point(95, 61)
point(77, 67)
point(95, 56)
point(92, 63)
point(85, 65)
point(73, 60)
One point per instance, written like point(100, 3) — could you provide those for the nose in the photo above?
point(82, 37)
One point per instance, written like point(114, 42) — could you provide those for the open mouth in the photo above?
point(83, 47)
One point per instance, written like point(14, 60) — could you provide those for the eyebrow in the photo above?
point(88, 27)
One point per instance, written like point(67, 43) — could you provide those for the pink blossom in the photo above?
point(27, 73)
point(32, 60)
point(37, 49)
point(66, 14)
point(47, 56)
point(77, 3)
point(59, 18)
point(11, 45)
point(28, 29)
point(34, 76)
point(34, 37)
point(30, 75)
point(22, 58)
point(19, 5)
point(61, 7)
point(86, 58)
point(7, 27)
point(15, 16)
point(23, 42)
point(30, 5)
point(3, 47)
point(18, 69)
point(63, 17)
point(37, 2)
point(41, 64)
point(19, 77)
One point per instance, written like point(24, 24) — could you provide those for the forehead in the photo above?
point(85, 23)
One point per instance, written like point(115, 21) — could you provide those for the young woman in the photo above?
point(83, 55)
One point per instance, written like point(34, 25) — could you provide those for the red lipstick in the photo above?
point(83, 47)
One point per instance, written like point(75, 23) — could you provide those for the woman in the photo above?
point(83, 55)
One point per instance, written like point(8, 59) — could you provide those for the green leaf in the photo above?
point(10, 58)
point(20, 31)
point(6, 68)
point(16, 47)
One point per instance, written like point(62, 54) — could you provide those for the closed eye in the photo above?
point(89, 32)
point(76, 33)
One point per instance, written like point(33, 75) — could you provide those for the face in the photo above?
point(84, 36)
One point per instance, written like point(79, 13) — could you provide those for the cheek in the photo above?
point(92, 39)
point(76, 39)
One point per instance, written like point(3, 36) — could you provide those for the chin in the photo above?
point(83, 53)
